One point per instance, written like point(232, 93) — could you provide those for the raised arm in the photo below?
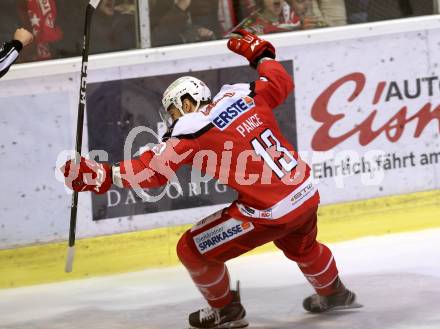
point(274, 84)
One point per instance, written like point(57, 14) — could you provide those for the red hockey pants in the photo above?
point(205, 248)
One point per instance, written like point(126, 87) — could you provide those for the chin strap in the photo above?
point(180, 110)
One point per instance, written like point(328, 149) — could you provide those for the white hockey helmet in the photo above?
point(194, 87)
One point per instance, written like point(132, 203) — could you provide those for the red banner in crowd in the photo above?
point(42, 16)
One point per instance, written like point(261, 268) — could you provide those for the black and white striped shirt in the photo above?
point(8, 55)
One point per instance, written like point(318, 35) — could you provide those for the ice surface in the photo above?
point(396, 277)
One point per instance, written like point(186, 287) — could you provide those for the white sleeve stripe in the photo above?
point(8, 59)
point(7, 55)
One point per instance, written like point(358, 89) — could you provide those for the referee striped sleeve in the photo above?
point(8, 55)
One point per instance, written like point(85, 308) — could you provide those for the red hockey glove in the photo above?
point(251, 47)
point(89, 175)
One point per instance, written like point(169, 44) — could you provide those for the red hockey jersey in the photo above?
point(236, 140)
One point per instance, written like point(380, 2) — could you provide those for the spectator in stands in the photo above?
point(227, 15)
point(171, 23)
point(126, 7)
point(113, 27)
point(9, 19)
point(71, 20)
point(357, 11)
point(205, 13)
point(321, 13)
point(392, 9)
point(423, 7)
point(332, 12)
point(271, 16)
point(112, 30)
point(310, 16)
point(43, 23)
point(383, 10)
point(243, 8)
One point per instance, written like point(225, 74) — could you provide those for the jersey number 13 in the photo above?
point(286, 162)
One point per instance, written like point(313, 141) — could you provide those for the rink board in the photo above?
point(39, 103)
point(156, 248)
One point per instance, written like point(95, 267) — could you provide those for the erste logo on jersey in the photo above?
point(220, 234)
point(232, 112)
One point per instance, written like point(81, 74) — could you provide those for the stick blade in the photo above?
point(69, 260)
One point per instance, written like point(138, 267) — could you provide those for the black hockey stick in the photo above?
point(93, 4)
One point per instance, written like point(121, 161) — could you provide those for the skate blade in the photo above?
point(243, 323)
point(346, 307)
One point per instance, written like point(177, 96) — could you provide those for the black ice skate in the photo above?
point(341, 300)
point(229, 317)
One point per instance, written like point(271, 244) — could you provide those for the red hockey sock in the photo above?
point(213, 284)
point(319, 268)
point(211, 278)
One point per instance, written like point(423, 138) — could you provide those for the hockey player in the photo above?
point(277, 200)
point(10, 50)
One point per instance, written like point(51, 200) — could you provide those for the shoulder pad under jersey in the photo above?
point(191, 125)
point(229, 104)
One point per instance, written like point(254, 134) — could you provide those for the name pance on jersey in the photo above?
point(249, 124)
point(231, 113)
